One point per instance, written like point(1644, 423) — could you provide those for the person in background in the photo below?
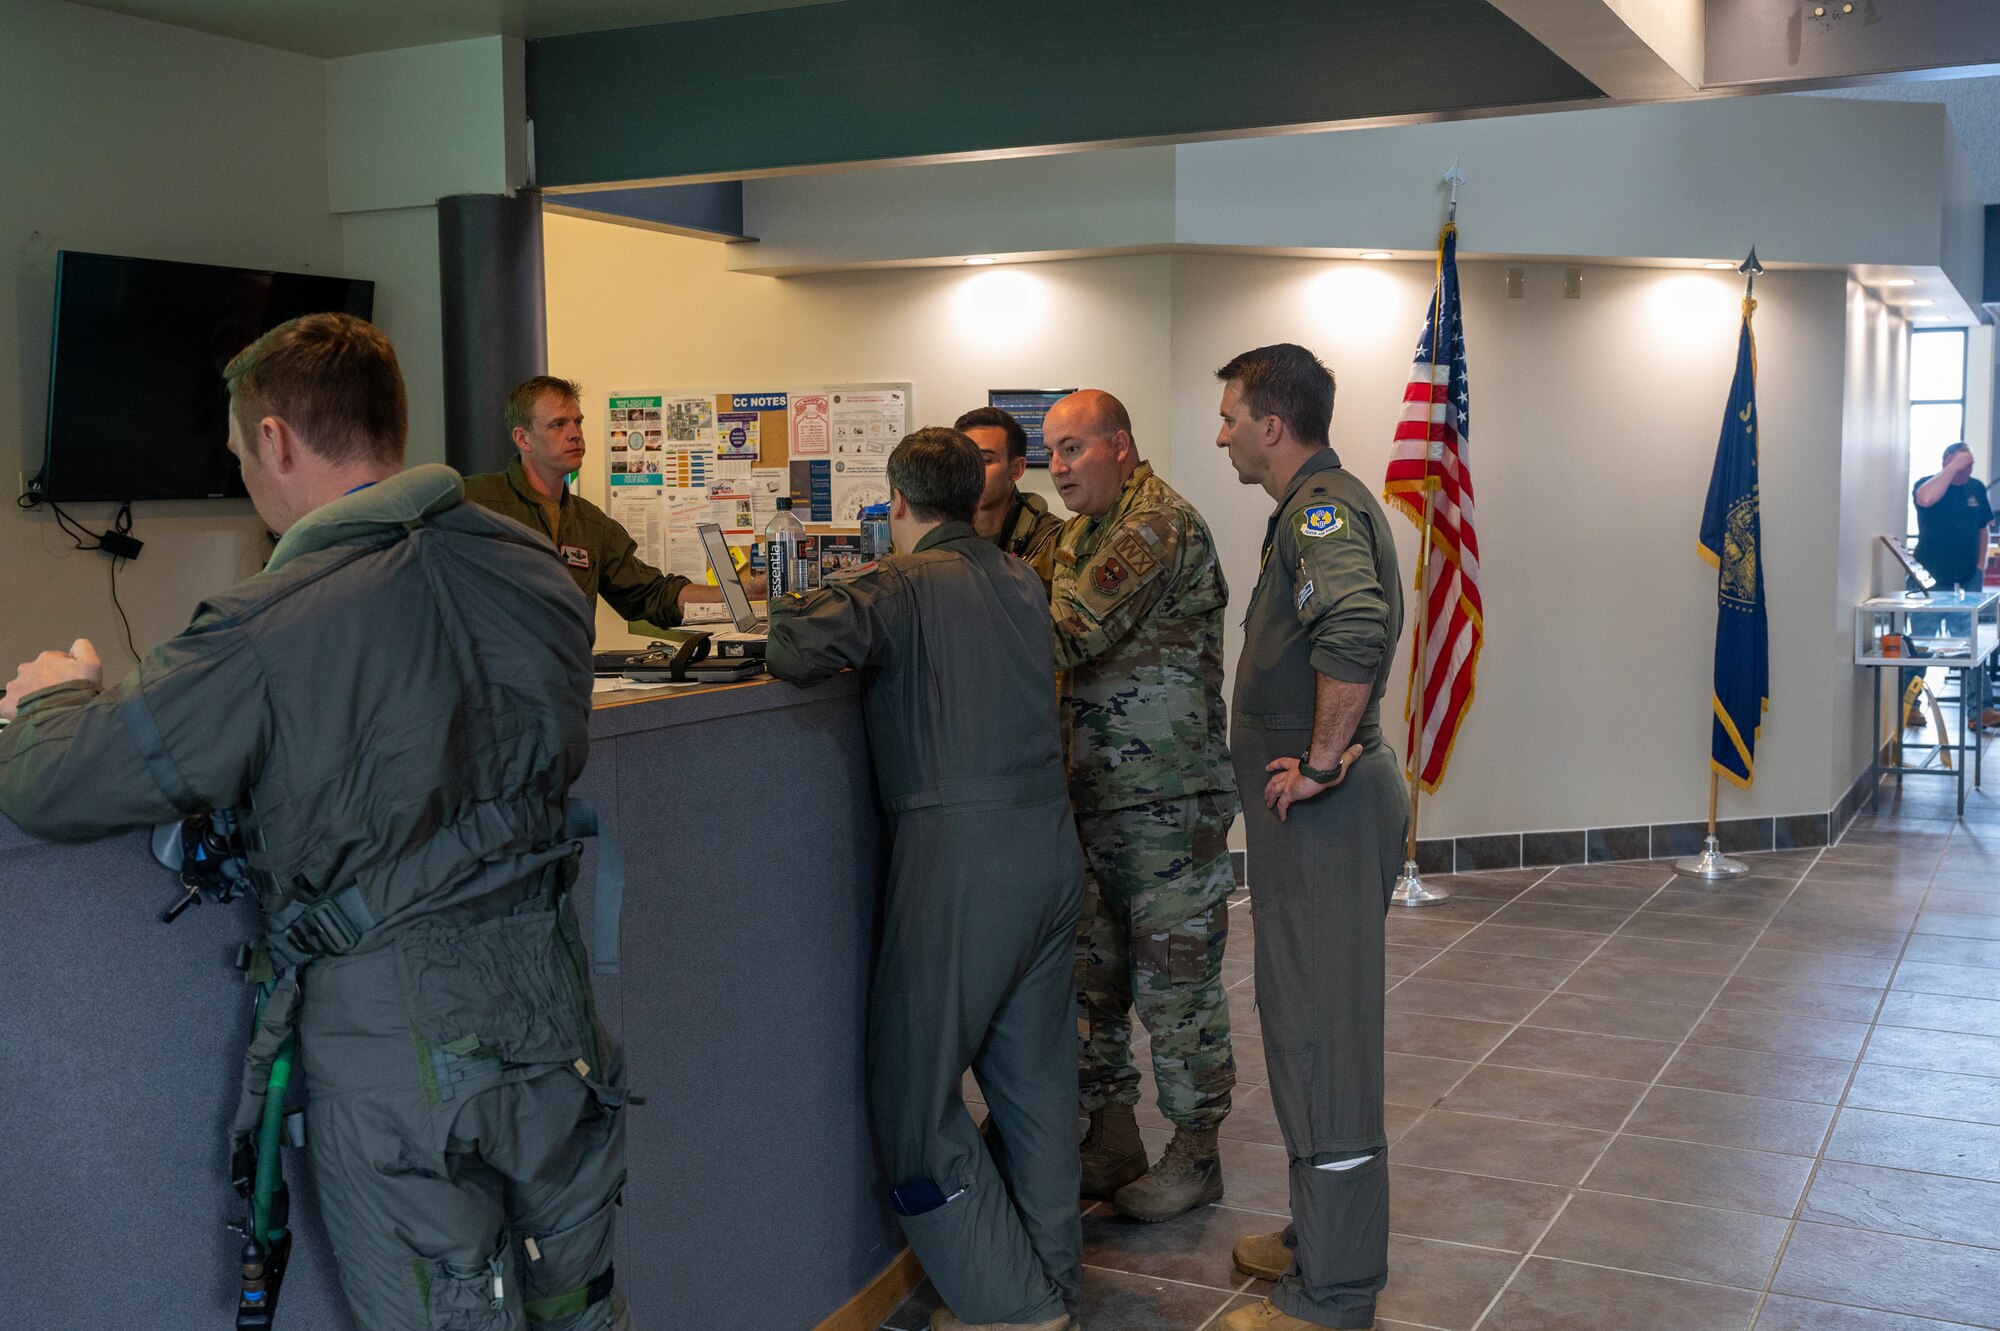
point(1137, 599)
point(1014, 519)
point(395, 709)
point(545, 417)
point(1325, 839)
point(1954, 518)
point(985, 878)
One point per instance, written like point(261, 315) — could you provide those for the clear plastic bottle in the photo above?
point(785, 551)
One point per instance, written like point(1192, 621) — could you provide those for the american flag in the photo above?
point(1431, 456)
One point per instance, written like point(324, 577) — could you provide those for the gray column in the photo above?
point(494, 315)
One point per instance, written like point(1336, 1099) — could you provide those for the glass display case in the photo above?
point(1954, 629)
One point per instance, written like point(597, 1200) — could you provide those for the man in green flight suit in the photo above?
point(1138, 597)
point(394, 708)
point(1014, 519)
point(545, 418)
point(1326, 839)
point(977, 947)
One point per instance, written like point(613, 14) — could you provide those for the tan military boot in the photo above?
point(1113, 1155)
point(1264, 1316)
point(944, 1319)
point(1188, 1175)
point(1262, 1255)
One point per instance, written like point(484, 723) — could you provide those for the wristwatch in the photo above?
point(1311, 773)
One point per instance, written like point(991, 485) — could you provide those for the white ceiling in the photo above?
point(330, 28)
point(1974, 107)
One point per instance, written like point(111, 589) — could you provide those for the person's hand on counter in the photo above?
point(755, 587)
point(50, 669)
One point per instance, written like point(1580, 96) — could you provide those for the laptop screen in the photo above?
point(719, 563)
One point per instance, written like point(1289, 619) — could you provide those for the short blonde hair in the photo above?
point(331, 377)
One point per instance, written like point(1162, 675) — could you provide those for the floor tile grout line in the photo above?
point(1840, 1107)
point(1214, 1316)
point(1612, 1136)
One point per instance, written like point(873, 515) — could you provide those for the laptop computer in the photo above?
point(748, 637)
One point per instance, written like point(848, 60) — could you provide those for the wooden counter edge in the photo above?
point(879, 1297)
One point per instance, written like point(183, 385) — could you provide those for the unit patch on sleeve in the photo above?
point(576, 556)
point(1323, 520)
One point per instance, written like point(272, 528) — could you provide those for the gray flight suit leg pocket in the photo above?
point(567, 1274)
point(464, 1296)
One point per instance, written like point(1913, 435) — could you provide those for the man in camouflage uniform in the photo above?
point(1138, 598)
point(1013, 519)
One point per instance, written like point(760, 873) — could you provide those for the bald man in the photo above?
point(1138, 596)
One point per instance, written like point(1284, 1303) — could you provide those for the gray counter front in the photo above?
point(752, 848)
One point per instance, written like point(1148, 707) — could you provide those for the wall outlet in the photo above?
point(27, 481)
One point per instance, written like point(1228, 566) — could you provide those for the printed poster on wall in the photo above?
point(868, 421)
point(812, 424)
point(632, 425)
point(690, 421)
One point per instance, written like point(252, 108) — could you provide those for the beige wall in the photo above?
point(1874, 466)
point(1594, 429)
point(128, 137)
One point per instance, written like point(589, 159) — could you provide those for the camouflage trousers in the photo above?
point(1155, 916)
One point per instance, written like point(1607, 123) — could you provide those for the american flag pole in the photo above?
point(1411, 890)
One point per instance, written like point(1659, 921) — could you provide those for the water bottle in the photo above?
point(785, 551)
point(875, 542)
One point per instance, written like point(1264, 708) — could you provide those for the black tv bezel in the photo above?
point(42, 490)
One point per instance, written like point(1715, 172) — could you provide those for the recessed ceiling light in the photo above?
point(1376, 254)
point(1919, 302)
point(1899, 282)
point(1724, 263)
point(980, 258)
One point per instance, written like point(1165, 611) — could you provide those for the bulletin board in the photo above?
point(678, 457)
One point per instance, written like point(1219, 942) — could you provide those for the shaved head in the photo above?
point(1091, 450)
point(1096, 411)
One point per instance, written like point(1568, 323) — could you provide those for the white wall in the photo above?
point(1594, 430)
point(1874, 448)
point(128, 137)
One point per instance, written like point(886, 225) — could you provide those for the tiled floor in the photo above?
point(1624, 1101)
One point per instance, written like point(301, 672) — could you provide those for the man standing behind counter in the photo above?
point(1326, 839)
point(1013, 519)
point(978, 946)
point(1138, 599)
point(545, 415)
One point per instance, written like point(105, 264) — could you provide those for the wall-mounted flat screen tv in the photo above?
point(137, 409)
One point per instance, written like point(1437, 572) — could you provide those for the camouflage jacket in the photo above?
point(1138, 597)
point(1030, 532)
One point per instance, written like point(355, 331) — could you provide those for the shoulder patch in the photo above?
point(1323, 520)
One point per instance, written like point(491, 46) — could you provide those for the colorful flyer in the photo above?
point(690, 421)
point(739, 433)
point(812, 424)
point(632, 424)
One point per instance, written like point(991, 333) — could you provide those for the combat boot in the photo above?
point(1266, 1316)
point(944, 1319)
point(1189, 1175)
point(1113, 1155)
point(1262, 1255)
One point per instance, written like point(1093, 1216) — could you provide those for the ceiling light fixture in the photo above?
point(1919, 302)
point(1719, 263)
point(1376, 254)
point(1899, 281)
point(981, 259)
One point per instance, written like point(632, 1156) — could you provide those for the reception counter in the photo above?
point(752, 844)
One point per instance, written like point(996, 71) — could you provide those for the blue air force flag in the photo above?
point(1731, 539)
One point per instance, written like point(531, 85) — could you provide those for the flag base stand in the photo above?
point(1711, 863)
point(1410, 889)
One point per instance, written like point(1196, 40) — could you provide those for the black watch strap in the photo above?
point(1311, 773)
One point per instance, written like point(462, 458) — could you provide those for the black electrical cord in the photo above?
point(85, 539)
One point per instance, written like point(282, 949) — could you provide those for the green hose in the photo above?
point(270, 1136)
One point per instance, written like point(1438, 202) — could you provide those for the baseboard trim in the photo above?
point(1643, 841)
point(879, 1297)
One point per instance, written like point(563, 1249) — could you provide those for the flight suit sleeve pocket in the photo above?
point(503, 988)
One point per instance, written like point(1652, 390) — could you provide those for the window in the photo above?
point(1937, 401)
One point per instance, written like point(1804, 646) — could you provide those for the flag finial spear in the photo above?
point(1750, 267)
point(1454, 178)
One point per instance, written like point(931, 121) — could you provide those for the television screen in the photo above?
point(137, 409)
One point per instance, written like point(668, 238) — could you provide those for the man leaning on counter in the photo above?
point(545, 417)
